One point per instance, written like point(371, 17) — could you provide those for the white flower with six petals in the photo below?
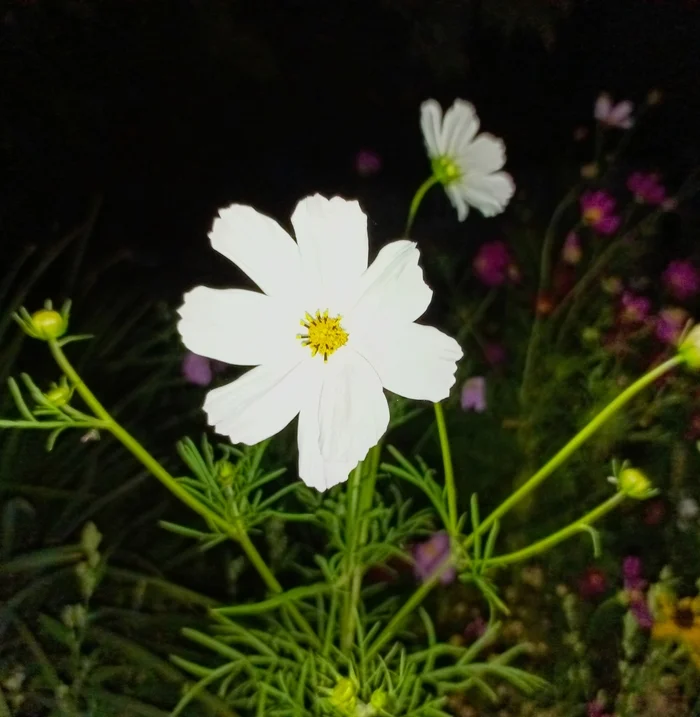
point(326, 335)
point(466, 164)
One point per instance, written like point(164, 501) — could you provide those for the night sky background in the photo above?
point(171, 109)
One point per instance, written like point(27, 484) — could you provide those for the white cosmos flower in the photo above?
point(466, 164)
point(326, 335)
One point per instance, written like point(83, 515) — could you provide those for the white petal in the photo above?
point(489, 193)
point(431, 126)
point(314, 470)
point(459, 128)
point(260, 403)
point(259, 247)
point(333, 243)
point(392, 289)
point(484, 155)
point(236, 326)
point(353, 410)
point(414, 361)
point(454, 194)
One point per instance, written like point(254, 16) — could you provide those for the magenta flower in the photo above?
point(682, 279)
point(670, 323)
point(593, 583)
point(634, 586)
point(493, 264)
point(428, 557)
point(200, 370)
point(494, 353)
point(634, 309)
point(571, 251)
point(613, 115)
point(597, 211)
point(367, 163)
point(646, 188)
point(474, 394)
point(595, 708)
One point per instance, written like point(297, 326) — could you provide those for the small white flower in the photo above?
point(466, 164)
point(326, 337)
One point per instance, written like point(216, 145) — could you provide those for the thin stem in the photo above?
point(561, 535)
point(351, 532)
point(476, 316)
point(447, 467)
point(545, 267)
point(141, 454)
point(575, 443)
point(417, 199)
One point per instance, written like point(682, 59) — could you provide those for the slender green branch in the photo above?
point(550, 541)
point(234, 532)
point(447, 466)
point(576, 442)
point(417, 199)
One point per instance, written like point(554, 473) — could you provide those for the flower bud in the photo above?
point(48, 324)
point(344, 695)
point(635, 484)
point(225, 472)
point(60, 393)
point(689, 350)
point(379, 700)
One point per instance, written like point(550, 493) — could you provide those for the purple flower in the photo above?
point(682, 279)
point(632, 573)
point(670, 323)
point(367, 163)
point(428, 557)
point(634, 586)
point(613, 115)
point(571, 251)
point(634, 309)
point(595, 708)
point(200, 370)
point(597, 211)
point(492, 264)
point(494, 353)
point(646, 188)
point(474, 394)
point(475, 629)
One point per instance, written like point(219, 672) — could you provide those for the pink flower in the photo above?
point(593, 583)
point(682, 279)
point(634, 309)
point(475, 629)
point(367, 163)
point(493, 264)
point(634, 586)
point(494, 353)
point(613, 115)
point(200, 370)
point(571, 251)
point(595, 708)
point(474, 394)
point(428, 557)
point(597, 211)
point(646, 188)
point(670, 323)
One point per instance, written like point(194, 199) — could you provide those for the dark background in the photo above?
point(170, 109)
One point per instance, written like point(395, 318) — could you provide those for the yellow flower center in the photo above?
point(684, 618)
point(446, 170)
point(592, 215)
point(324, 334)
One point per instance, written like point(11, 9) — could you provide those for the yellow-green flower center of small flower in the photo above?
point(592, 215)
point(324, 334)
point(446, 170)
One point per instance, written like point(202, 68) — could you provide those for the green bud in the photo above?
point(49, 324)
point(635, 484)
point(225, 472)
point(90, 540)
point(379, 700)
point(689, 349)
point(60, 393)
point(344, 695)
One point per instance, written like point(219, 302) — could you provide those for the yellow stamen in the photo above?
point(324, 334)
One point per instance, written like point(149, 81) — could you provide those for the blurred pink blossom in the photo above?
point(646, 188)
point(200, 370)
point(634, 586)
point(613, 115)
point(634, 309)
point(474, 394)
point(669, 324)
point(597, 210)
point(593, 583)
point(494, 353)
point(367, 163)
point(429, 556)
point(571, 251)
point(682, 279)
point(493, 264)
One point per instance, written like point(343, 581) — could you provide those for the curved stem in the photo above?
point(417, 199)
point(141, 454)
point(546, 543)
point(447, 466)
point(574, 444)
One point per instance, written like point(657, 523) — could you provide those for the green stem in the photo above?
point(575, 443)
point(558, 537)
point(417, 199)
point(476, 316)
point(545, 268)
point(141, 454)
point(447, 466)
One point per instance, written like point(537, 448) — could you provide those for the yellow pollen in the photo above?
point(324, 334)
point(593, 215)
